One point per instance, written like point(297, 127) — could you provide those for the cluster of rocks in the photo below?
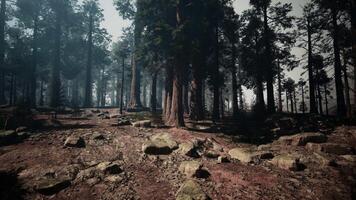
point(164, 144)
point(53, 180)
point(13, 136)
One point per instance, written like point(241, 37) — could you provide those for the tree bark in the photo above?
point(340, 99)
point(353, 27)
point(347, 87)
point(122, 85)
point(216, 76)
point(196, 94)
point(88, 83)
point(168, 92)
point(55, 73)
point(135, 95)
point(326, 99)
point(312, 101)
point(280, 105)
point(235, 105)
point(153, 100)
point(270, 91)
point(303, 100)
point(2, 51)
point(33, 85)
point(176, 111)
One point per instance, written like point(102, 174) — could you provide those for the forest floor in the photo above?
point(89, 156)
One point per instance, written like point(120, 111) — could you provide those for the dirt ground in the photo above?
point(157, 177)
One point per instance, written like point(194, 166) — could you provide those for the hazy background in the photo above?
point(114, 24)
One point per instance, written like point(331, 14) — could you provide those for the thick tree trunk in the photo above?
point(235, 105)
point(291, 102)
point(222, 105)
point(353, 22)
point(268, 55)
point(11, 95)
point(159, 92)
point(295, 102)
point(75, 93)
point(2, 51)
point(326, 99)
point(55, 73)
point(340, 99)
point(41, 103)
point(196, 94)
point(177, 111)
point(153, 100)
point(88, 82)
point(287, 101)
point(347, 87)
point(320, 100)
point(312, 101)
point(280, 105)
point(135, 95)
point(303, 100)
point(260, 101)
point(122, 86)
point(216, 76)
point(168, 92)
point(33, 85)
point(186, 95)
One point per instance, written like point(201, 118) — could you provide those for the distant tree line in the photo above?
point(192, 58)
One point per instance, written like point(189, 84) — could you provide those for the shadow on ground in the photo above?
point(10, 188)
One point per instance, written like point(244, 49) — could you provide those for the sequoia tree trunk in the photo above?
point(340, 99)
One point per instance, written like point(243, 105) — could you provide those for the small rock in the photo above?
point(350, 158)
point(211, 154)
point(21, 129)
point(223, 159)
point(288, 162)
point(188, 149)
point(98, 136)
point(74, 141)
point(247, 155)
point(114, 179)
point(190, 190)
point(160, 144)
point(50, 186)
point(142, 124)
point(190, 168)
point(109, 168)
point(302, 139)
point(331, 148)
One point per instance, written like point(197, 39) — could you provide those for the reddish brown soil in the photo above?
point(157, 177)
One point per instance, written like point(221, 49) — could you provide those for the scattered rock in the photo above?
point(302, 139)
point(288, 162)
point(188, 149)
point(160, 144)
point(109, 168)
point(50, 185)
point(74, 141)
point(86, 174)
point(124, 123)
point(247, 155)
point(350, 158)
point(211, 154)
point(7, 137)
point(142, 124)
point(98, 136)
point(191, 168)
point(21, 129)
point(331, 148)
point(114, 179)
point(190, 190)
point(223, 159)
point(317, 159)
